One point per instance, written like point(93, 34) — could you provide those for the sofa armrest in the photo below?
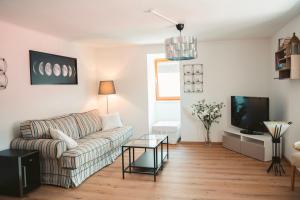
point(48, 148)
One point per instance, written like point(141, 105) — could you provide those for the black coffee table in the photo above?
point(151, 160)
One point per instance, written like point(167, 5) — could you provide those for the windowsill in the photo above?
point(167, 101)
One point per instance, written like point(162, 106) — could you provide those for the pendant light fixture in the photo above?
point(181, 47)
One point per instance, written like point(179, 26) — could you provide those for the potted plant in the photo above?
point(207, 113)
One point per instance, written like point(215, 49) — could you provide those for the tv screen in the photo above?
point(249, 112)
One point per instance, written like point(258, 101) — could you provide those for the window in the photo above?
point(167, 77)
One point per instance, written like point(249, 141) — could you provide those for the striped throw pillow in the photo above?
point(40, 129)
point(88, 122)
point(66, 124)
point(25, 129)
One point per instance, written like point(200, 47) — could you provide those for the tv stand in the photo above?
point(255, 146)
point(249, 132)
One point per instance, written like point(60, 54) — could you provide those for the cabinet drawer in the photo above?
point(253, 150)
point(232, 143)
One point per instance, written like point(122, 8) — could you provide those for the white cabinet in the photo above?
point(255, 146)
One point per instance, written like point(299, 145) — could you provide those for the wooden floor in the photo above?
point(194, 172)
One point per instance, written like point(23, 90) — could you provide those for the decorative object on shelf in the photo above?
point(283, 43)
point(207, 113)
point(181, 47)
point(3, 77)
point(287, 58)
point(48, 68)
point(294, 45)
point(276, 130)
point(193, 78)
point(107, 88)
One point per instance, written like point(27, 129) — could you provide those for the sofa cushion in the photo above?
point(87, 150)
point(48, 148)
point(88, 122)
point(117, 136)
point(66, 124)
point(40, 129)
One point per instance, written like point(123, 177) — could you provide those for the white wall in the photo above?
point(238, 67)
point(167, 111)
point(127, 66)
point(23, 101)
point(286, 93)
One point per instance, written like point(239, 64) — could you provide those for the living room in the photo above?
point(108, 88)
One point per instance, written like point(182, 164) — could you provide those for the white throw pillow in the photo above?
point(111, 121)
point(59, 135)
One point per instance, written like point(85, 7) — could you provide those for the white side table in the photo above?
point(170, 128)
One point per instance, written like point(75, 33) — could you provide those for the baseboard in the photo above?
point(196, 142)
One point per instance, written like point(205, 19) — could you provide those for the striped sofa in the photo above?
point(69, 168)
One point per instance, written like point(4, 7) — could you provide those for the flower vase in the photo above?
point(207, 138)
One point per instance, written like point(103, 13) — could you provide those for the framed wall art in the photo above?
point(3, 76)
point(50, 69)
point(193, 78)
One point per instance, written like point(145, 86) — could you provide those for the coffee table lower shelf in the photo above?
point(150, 161)
point(145, 163)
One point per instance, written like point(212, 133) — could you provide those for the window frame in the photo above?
point(159, 98)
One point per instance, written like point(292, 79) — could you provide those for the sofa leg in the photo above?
point(293, 177)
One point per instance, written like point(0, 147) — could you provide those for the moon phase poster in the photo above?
point(50, 69)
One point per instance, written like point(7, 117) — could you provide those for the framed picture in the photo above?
point(188, 79)
point(188, 88)
point(188, 70)
point(193, 78)
point(50, 69)
point(3, 77)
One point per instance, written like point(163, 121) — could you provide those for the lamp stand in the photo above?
point(106, 104)
point(276, 165)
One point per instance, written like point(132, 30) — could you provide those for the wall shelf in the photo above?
point(287, 58)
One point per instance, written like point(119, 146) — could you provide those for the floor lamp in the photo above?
point(107, 88)
point(276, 130)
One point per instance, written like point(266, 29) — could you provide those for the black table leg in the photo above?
point(133, 155)
point(168, 147)
point(123, 174)
point(156, 161)
point(129, 160)
point(162, 155)
point(154, 166)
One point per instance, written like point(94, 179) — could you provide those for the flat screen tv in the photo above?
point(249, 113)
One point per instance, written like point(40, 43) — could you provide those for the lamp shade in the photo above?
point(279, 124)
point(107, 87)
point(181, 48)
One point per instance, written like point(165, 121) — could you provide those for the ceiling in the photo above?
point(124, 22)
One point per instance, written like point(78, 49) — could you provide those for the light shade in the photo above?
point(272, 124)
point(107, 87)
point(181, 48)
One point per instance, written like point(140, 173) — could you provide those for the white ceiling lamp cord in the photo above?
point(154, 12)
